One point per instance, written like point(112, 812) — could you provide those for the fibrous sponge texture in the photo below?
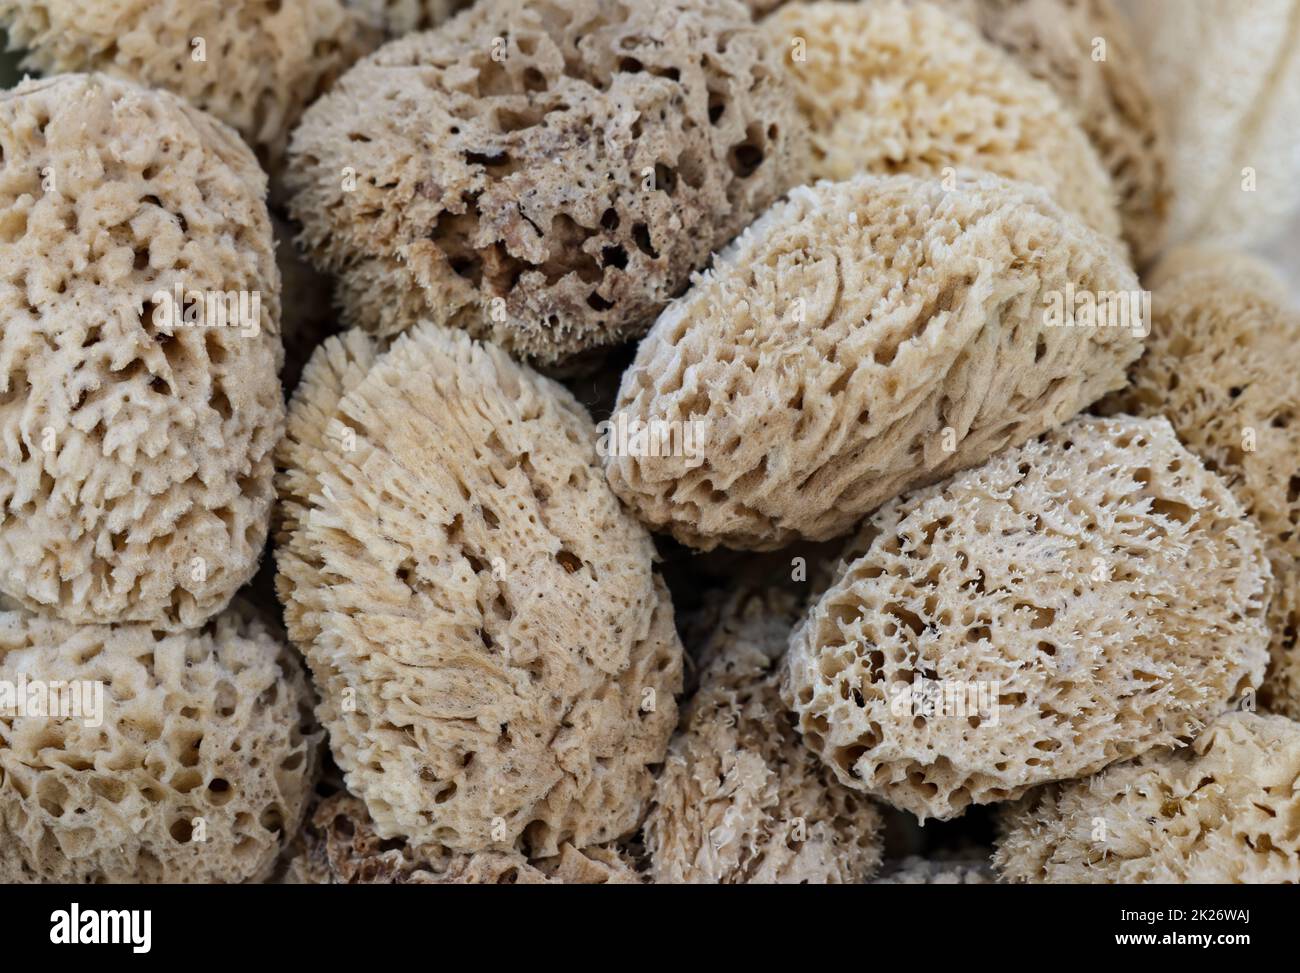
point(740, 798)
point(342, 848)
point(1220, 366)
point(254, 64)
point(889, 86)
point(136, 431)
point(1222, 810)
point(1074, 602)
point(861, 339)
point(544, 173)
point(195, 766)
point(496, 659)
point(1227, 80)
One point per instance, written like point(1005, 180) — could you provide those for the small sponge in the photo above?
point(1220, 365)
point(1223, 810)
point(889, 86)
point(195, 766)
point(544, 173)
point(1074, 602)
point(740, 798)
point(496, 659)
point(136, 472)
point(861, 339)
point(254, 64)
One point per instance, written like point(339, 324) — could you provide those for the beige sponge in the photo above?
point(544, 173)
point(136, 431)
point(1223, 810)
point(342, 848)
point(1076, 601)
point(861, 339)
point(890, 86)
point(1226, 76)
point(740, 798)
point(254, 64)
point(170, 757)
point(1221, 367)
point(496, 659)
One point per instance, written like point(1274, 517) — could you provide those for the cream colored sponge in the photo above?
point(1080, 600)
point(171, 757)
point(496, 659)
point(861, 339)
point(136, 428)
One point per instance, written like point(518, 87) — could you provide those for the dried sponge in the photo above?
point(342, 848)
point(136, 482)
point(1222, 810)
point(482, 198)
point(1085, 51)
point(496, 659)
point(861, 339)
point(889, 86)
point(254, 64)
point(200, 768)
point(1220, 366)
point(1074, 602)
point(1228, 84)
point(915, 870)
point(740, 798)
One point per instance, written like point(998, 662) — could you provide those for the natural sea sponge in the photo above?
point(136, 481)
point(496, 659)
point(1220, 811)
point(861, 339)
point(890, 86)
point(1079, 600)
point(915, 870)
point(259, 63)
point(1220, 365)
point(342, 848)
point(544, 173)
point(1227, 81)
point(740, 798)
point(195, 765)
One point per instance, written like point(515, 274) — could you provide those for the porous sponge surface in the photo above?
point(1220, 366)
point(136, 482)
point(1098, 585)
point(483, 200)
point(740, 798)
point(893, 86)
point(861, 339)
point(261, 61)
point(496, 659)
point(1222, 810)
point(200, 769)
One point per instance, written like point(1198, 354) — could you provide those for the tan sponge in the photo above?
point(182, 757)
point(740, 798)
point(1222, 810)
point(861, 339)
point(544, 173)
point(136, 431)
point(890, 86)
point(496, 659)
point(1077, 601)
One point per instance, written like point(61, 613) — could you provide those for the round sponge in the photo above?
point(1076, 601)
point(544, 173)
point(740, 798)
point(1220, 366)
point(890, 86)
point(195, 764)
point(136, 431)
point(859, 340)
point(1222, 810)
point(496, 659)
point(254, 64)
